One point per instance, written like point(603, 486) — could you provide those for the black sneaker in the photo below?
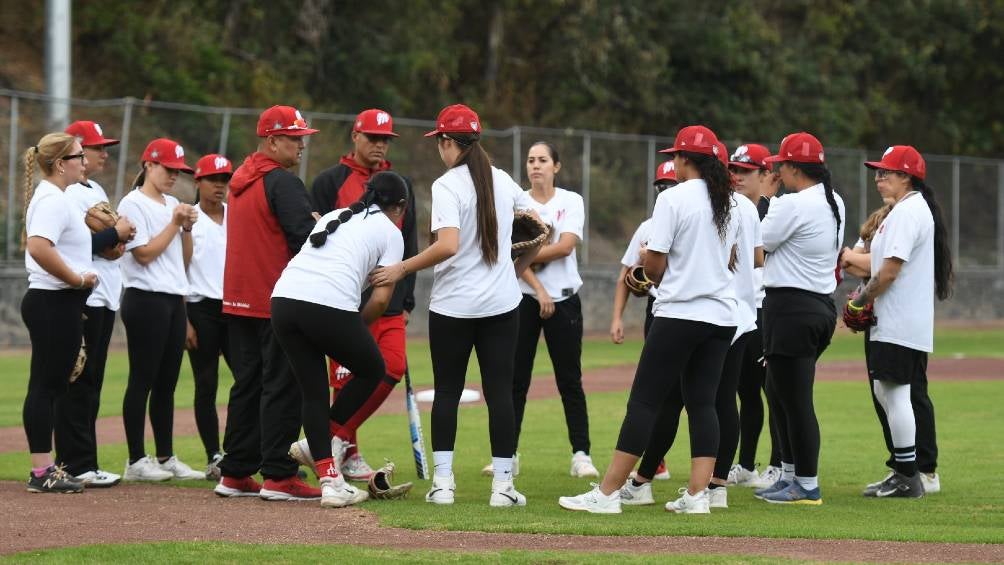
point(900, 486)
point(55, 479)
point(872, 488)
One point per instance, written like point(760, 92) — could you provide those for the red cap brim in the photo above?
point(772, 159)
point(177, 164)
point(672, 149)
point(300, 132)
point(750, 166)
point(376, 132)
point(105, 142)
point(875, 165)
point(432, 133)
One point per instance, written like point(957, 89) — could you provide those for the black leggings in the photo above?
point(725, 406)
point(55, 325)
point(563, 335)
point(212, 337)
point(494, 341)
point(752, 380)
point(307, 332)
point(681, 353)
point(155, 334)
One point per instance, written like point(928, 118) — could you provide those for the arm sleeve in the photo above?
point(49, 218)
point(445, 208)
point(630, 258)
point(901, 234)
point(104, 239)
point(409, 232)
point(287, 197)
point(779, 224)
point(575, 217)
point(139, 219)
point(393, 250)
point(663, 226)
point(522, 198)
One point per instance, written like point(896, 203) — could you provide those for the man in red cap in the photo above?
point(335, 188)
point(268, 220)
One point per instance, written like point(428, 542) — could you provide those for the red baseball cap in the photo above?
point(665, 172)
point(374, 122)
point(283, 120)
point(90, 134)
point(750, 156)
point(456, 119)
point(723, 154)
point(800, 147)
point(167, 153)
point(213, 164)
point(902, 158)
point(695, 139)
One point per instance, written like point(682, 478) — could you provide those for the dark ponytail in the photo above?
point(141, 177)
point(719, 188)
point(819, 173)
point(480, 166)
point(384, 189)
point(943, 275)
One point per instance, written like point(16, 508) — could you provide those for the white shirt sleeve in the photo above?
point(900, 236)
point(630, 258)
point(49, 217)
point(393, 251)
point(779, 224)
point(859, 245)
point(757, 234)
point(575, 216)
point(662, 230)
point(135, 213)
point(521, 198)
point(445, 207)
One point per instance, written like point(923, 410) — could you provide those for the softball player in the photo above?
point(75, 435)
point(206, 337)
point(315, 312)
point(802, 234)
point(475, 297)
point(911, 263)
point(60, 275)
point(695, 232)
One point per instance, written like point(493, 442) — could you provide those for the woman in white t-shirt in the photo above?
point(691, 255)
point(911, 264)
point(475, 297)
point(206, 336)
point(153, 310)
point(315, 313)
point(60, 276)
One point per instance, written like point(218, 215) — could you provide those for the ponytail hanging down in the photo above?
point(943, 275)
point(819, 173)
point(479, 164)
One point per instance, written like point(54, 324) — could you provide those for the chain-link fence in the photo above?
point(612, 171)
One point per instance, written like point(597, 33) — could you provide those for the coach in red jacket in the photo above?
point(268, 220)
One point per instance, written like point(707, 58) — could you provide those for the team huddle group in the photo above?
point(307, 294)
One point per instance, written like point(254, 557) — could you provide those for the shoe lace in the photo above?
point(59, 472)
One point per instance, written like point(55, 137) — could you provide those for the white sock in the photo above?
point(787, 471)
point(443, 461)
point(808, 483)
point(502, 467)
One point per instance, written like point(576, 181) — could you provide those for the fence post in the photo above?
point(1000, 216)
point(649, 192)
point(862, 194)
point(123, 149)
point(517, 155)
point(586, 151)
point(15, 111)
point(955, 212)
point(305, 157)
point(224, 132)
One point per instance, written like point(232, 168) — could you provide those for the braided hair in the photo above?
point(942, 252)
point(385, 189)
point(51, 148)
point(820, 174)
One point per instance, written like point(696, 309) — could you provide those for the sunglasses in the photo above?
point(72, 157)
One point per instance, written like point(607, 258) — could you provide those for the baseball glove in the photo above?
point(527, 232)
point(381, 488)
point(78, 367)
point(636, 281)
point(858, 320)
point(100, 217)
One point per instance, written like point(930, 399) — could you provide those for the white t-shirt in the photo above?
point(464, 286)
point(335, 274)
point(697, 284)
point(905, 311)
point(632, 255)
point(746, 280)
point(565, 213)
point(108, 294)
point(52, 215)
point(209, 254)
point(801, 237)
point(166, 273)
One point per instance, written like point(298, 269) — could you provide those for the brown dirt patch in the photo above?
point(142, 513)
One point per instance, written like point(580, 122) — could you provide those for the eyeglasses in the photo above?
point(72, 157)
point(883, 174)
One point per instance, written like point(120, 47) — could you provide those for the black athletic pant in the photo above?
point(725, 407)
point(263, 415)
point(649, 316)
point(563, 336)
point(155, 334)
point(212, 337)
point(55, 325)
point(680, 353)
point(309, 331)
point(75, 434)
point(752, 380)
point(494, 341)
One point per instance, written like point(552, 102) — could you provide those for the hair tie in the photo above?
point(35, 147)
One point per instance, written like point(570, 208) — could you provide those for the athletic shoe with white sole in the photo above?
point(489, 471)
point(742, 477)
point(232, 487)
point(99, 479)
point(336, 493)
point(356, 468)
point(767, 478)
point(299, 451)
point(213, 467)
point(794, 493)
point(594, 502)
point(145, 469)
point(582, 466)
point(931, 482)
point(779, 484)
point(504, 494)
point(636, 495)
point(290, 488)
point(661, 472)
point(56, 480)
point(900, 486)
point(872, 488)
point(442, 491)
point(718, 497)
point(690, 504)
point(180, 470)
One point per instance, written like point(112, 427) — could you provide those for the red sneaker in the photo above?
point(661, 473)
point(291, 488)
point(244, 486)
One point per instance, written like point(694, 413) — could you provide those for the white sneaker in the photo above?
point(179, 470)
point(213, 472)
point(336, 493)
point(718, 497)
point(489, 471)
point(594, 502)
point(582, 466)
point(356, 468)
point(299, 451)
point(741, 477)
point(687, 504)
point(338, 448)
point(636, 496)
point(99, 479)
point(770, 476)
point(442, 491)
point(932, 482)
point(145, 469)
point(504, 493)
